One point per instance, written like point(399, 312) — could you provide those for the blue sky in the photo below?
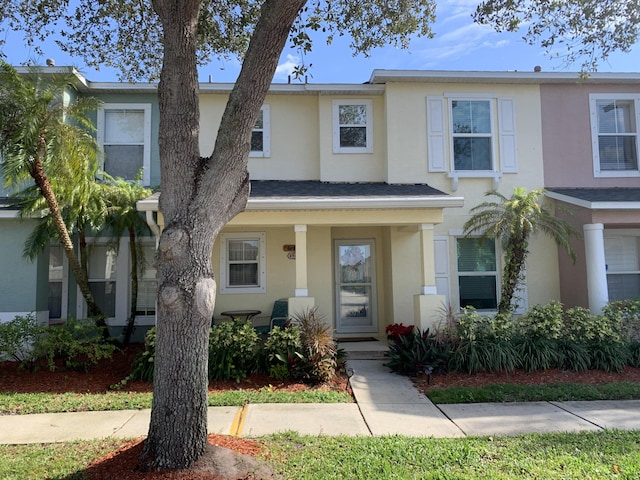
point(459, 44)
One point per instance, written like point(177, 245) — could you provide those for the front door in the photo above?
point(355, 286)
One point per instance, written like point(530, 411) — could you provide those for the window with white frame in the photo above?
point(622, 256)
point(261, 136)
point(352, 126)
point(477, 273)
point(242, 262)
point(614, 127)
point(56, 282)
point(472, 134)
point(147, 285)
point(102, 277)
point(124, 133)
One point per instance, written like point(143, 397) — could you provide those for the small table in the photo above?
point(235, 314)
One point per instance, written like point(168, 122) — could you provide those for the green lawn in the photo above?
point(559, 392)
point(25, 403)
point(584, 456)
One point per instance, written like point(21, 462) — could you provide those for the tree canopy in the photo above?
point(129, 35)
point(574, 30)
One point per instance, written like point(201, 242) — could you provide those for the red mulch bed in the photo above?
point(520, 377)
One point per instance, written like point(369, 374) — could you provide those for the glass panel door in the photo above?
point(355, 286)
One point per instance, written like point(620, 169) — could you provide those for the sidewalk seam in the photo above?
point(559, 406)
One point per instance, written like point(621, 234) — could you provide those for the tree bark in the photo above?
point(199, 196)
point(514, 263)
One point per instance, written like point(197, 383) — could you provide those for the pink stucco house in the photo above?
point(591, 143)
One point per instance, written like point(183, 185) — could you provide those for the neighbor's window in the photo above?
point(472, 134)
point(477, 273)
point(56, 262)
point(124, 132)
point(622, 256)
point(242, 263)
point(352, 126)
point(102, 278)
point(615, 135)
point(260, 136)
point(147, 285)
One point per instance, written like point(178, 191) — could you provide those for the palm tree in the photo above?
point(44, 138)
point(513, 220)
point(122, 196)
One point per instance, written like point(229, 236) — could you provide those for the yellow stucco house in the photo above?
point(359, 194)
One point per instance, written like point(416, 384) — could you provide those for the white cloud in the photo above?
point(285, 69)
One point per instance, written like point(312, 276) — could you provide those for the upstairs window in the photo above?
point(614, 125)
point(352, 126)
point(260, 136)
point(472, 134)
point(242, 263)
point(124, 133)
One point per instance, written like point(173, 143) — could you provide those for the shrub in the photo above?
point(17, 338)
point(542, 321)
point(574, 355)
point(414, 353)
point(318, 346)
point(233, 350)
point(537, 353)
point(609, 356)
point(626, 315)
point(78, 342)
point(634, 354)
point(144, 362)
point(281, 352)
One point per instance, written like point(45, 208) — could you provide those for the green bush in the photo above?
point(281, 355)
point(18, 337)
point(609, 356)
point(77, 342)
point(144, 362)
point(542, 321)
point(537, 353)
point(574, 355)
point(634, 354)
point(233, 351)
point(626, 315)
point(413, 353)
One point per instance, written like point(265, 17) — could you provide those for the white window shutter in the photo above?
point(507, 132)
point(441, 254)
point(436, 134)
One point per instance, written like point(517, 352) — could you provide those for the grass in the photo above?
point(26, 403)
point(600, 455)
point(559, 392)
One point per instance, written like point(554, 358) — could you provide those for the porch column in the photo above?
point(301, 261)
point(302, 301)
point(428, 305)
point(428, 263)
point(597, 289)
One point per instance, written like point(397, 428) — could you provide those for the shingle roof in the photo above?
point(315, 189)
point(617, 194)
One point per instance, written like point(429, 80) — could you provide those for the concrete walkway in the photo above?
point(386, 404)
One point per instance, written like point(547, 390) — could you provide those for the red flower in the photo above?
point(398, 329)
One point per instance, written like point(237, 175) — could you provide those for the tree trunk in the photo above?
point(514, 263)
point(133, 306)
point(42, 182)
point(199, 196)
